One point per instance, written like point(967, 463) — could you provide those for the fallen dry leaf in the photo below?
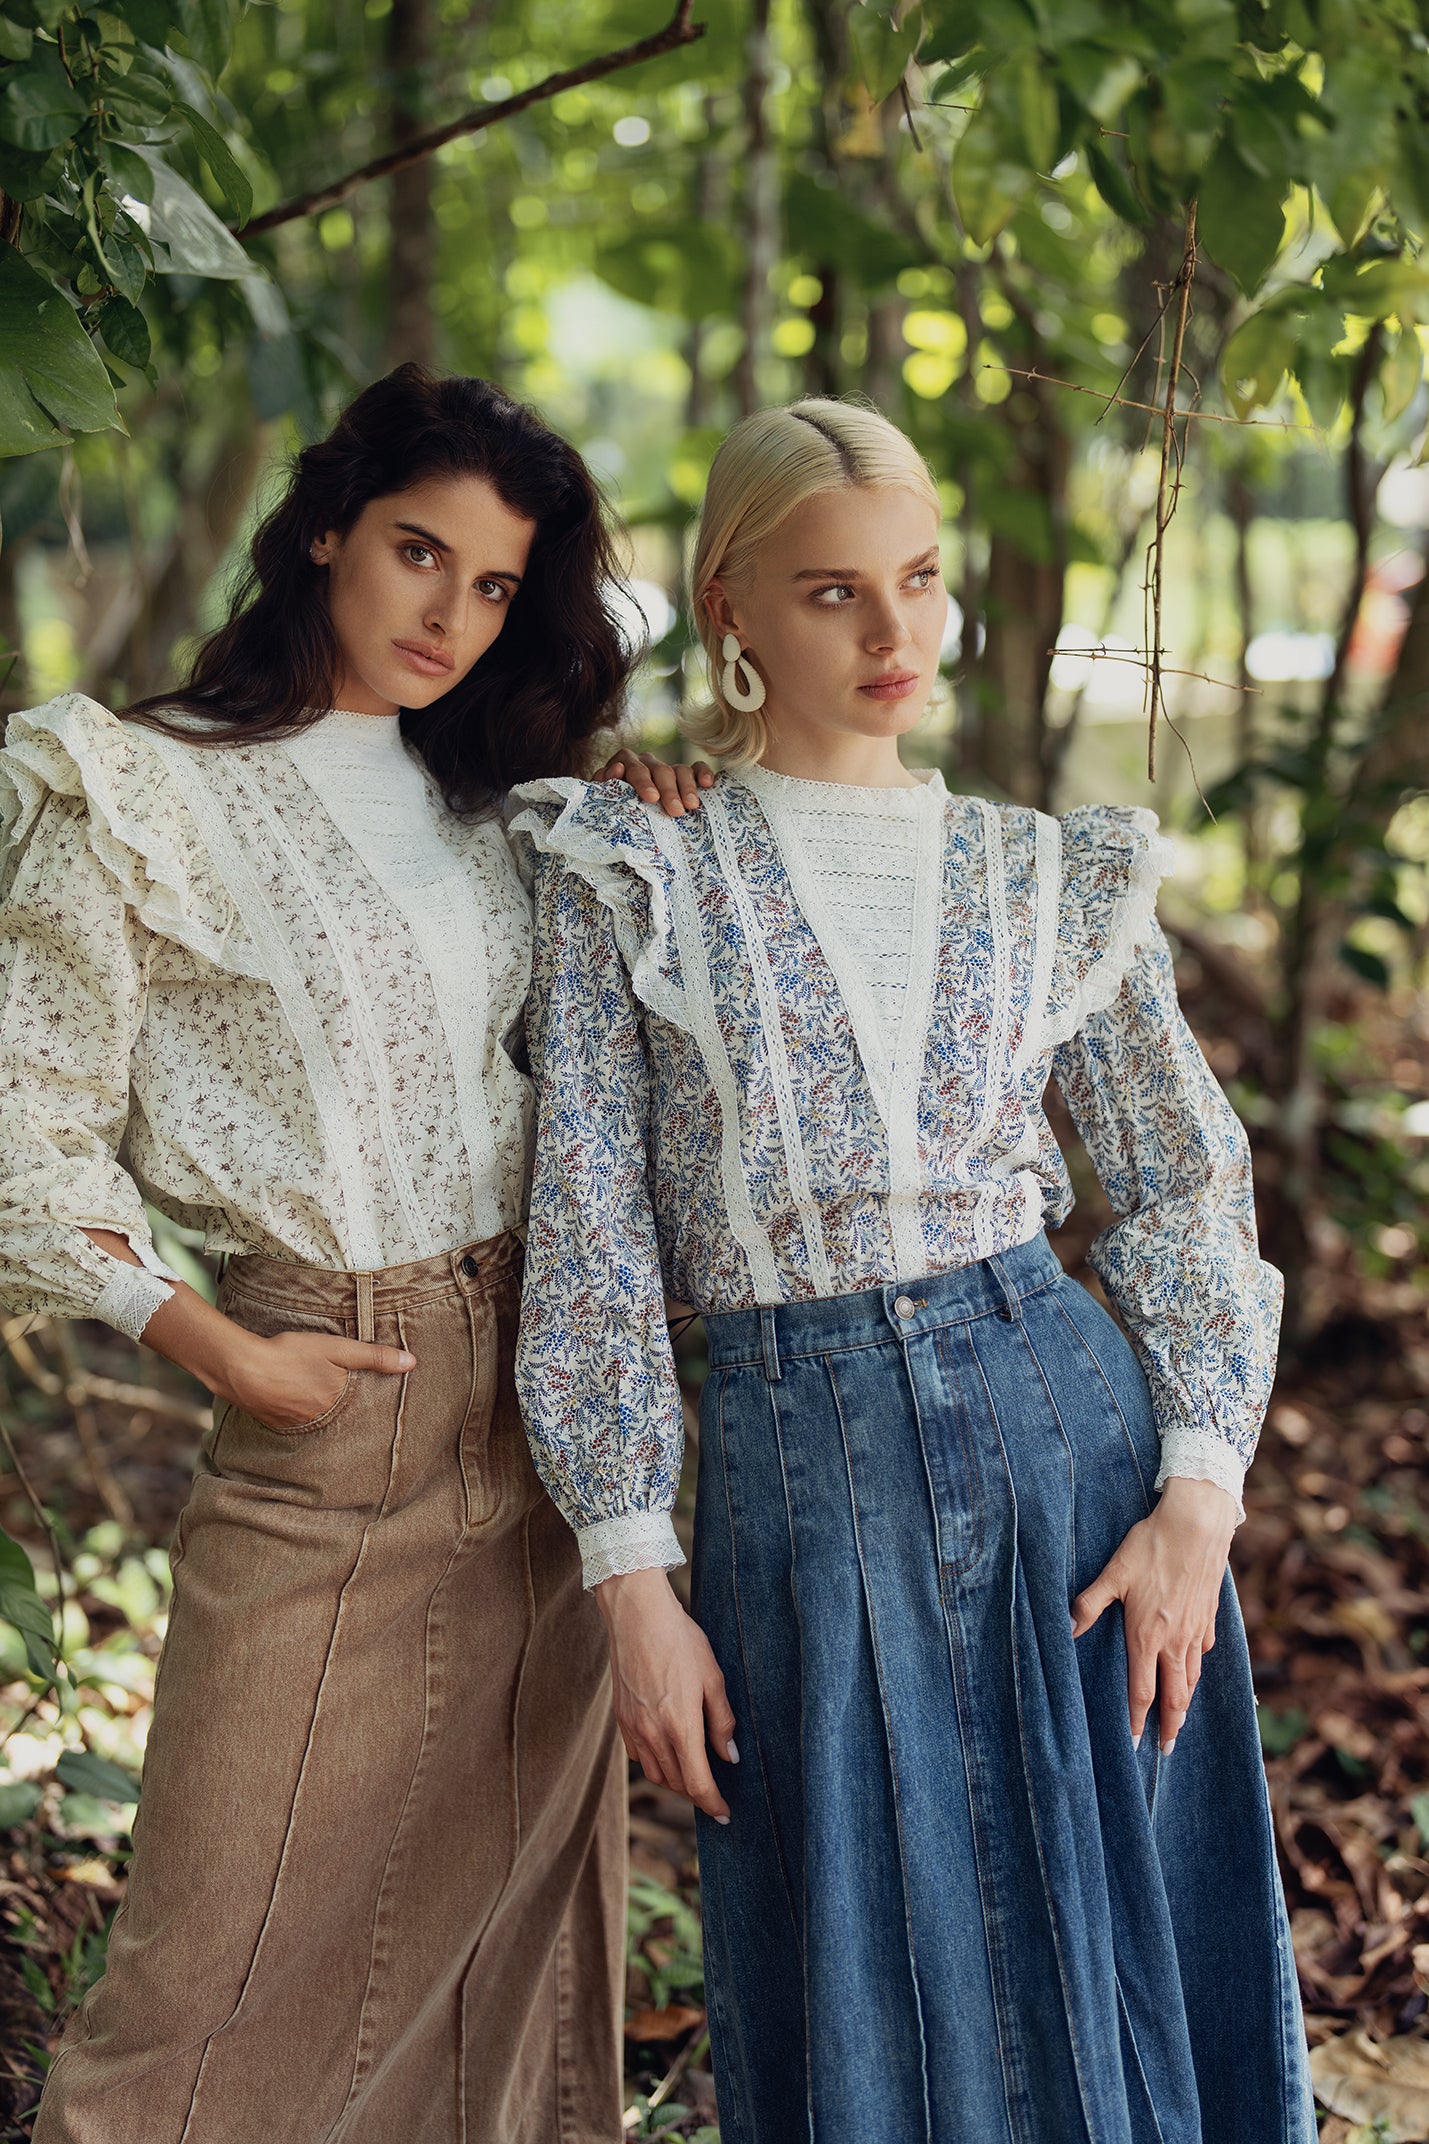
point(1371, 2081)
point(671, 2023)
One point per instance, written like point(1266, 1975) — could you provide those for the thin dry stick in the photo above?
point(1168, 490)
point(678, 31)
point(112, 1496)
point(1141, 656)
point(1154, 409)
point(41, 1515)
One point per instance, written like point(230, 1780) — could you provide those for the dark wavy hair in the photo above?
point(555, 673)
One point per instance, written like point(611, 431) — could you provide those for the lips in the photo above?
point(424, 657)
point(893, 685)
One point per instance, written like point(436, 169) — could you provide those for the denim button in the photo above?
point(905, 1306)
point(1004, 1313)
point(470, 1267)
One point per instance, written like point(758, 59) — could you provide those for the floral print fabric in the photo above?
point(283, 975)
point(719, 1118)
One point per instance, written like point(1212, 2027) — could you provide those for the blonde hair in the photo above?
point(770, 463)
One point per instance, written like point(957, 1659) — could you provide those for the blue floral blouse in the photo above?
point(722, 1118)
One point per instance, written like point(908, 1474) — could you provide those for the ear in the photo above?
point(720, 609)
point(323, 549)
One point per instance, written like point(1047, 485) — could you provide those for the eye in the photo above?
point(416, 553)
point(925, 576)
point(494, 591)
point(837, 589)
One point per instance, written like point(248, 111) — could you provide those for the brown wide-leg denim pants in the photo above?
point(378, 1882)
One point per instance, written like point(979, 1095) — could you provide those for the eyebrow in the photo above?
point(851, 573)
point(494, 573)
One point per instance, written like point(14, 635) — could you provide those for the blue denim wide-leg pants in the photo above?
point(953, 1904)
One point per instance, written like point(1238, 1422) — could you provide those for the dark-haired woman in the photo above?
point(268, 936)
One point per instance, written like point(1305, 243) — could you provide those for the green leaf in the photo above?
point(51, 378)
point(823, 225)
point(882, 46)
point(20, 1603)
point(987, 184)
point(84, 1773)
point(16, 39)
point(150, 20)
point(19, 1799)
point(228, 175)
point(1115, 187)
point(1240, 218)
point(27, 175)
point(1401, 372)
point(125, 331)
point(187, 237)
point(1037, 111)
point(127, 171)
point(208, 26)
point(39, 105)
point(1256, 359)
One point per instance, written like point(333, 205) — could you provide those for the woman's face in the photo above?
point(843, 613)
point(418, 588)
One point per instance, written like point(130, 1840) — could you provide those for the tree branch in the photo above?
point(678, 31)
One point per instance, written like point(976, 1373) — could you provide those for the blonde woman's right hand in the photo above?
point(668, 1689)
point(295, 1377)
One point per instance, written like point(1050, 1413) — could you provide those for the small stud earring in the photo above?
point(747, 696)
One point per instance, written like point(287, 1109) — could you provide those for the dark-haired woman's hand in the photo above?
point(675, 789)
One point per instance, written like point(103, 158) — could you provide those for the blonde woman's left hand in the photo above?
point(1167, 1575)
point(675, 789)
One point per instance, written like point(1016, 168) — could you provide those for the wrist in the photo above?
point(632, 1592)
point(1202, 1504)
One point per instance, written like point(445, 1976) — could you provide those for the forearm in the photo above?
point(187, 1330)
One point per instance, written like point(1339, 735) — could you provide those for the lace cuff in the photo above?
point(1200, 1455)
point(130, 1297)
point(635, 1541)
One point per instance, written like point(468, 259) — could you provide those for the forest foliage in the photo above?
point(1145, 280)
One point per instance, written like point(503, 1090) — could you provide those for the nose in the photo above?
point(888, 630)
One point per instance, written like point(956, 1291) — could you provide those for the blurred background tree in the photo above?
point(1144, 281)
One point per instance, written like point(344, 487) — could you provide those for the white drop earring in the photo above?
point(748, 697)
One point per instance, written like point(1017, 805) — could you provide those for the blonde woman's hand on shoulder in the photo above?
point(668, 1690)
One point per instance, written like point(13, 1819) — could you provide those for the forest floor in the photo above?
point(1333, 1571)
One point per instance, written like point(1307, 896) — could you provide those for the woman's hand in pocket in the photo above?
point(295, 1377)
point(1167, 1575)
point(669, 1692)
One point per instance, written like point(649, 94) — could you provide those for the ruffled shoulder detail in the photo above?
point(140, 829)
point(602, 832)
point(1113, 861)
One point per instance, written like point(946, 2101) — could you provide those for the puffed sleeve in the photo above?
point(92, 862)
point(1182, 1262)
point(594, 1368)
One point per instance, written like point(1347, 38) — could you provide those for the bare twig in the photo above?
point(1168, 489)
point(908, 113)
point(678, 31)
point(1154, 409)
point(695, 2045)
point(1142, 657)
point(113, 1498)
point(42, 1518)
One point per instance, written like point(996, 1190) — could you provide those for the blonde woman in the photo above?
point(976, 1867)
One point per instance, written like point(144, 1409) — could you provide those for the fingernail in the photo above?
point(408, 1362)
point(1136, 1741)
point(731, 1752)
point(721, 1819)
point(1167, 1747)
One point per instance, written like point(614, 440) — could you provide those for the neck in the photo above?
point(355, 698)
point(836, 756)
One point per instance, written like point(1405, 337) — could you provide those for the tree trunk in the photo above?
point(761, 215)
point(411, 324)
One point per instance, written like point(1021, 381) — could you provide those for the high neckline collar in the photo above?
point(883, 799)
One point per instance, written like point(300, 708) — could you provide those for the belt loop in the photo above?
point(366, 1322)
point(1011, 1300)
point(770, 1336)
